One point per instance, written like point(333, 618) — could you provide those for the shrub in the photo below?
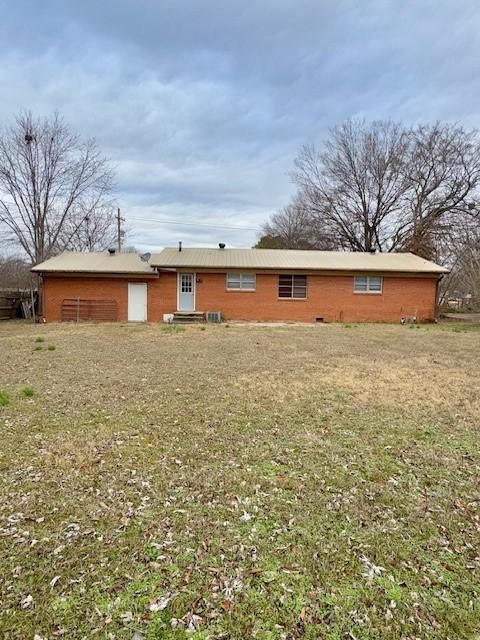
point(51, 347)
point(39, 339)
point(28, 392)
point(4, 399)
point(38, 347)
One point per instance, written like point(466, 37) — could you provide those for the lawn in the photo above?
point(236, 482)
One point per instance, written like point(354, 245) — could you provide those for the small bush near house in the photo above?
point(4, 399)
point(51, 347)
point(28, 392)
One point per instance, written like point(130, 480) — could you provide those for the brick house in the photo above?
point(241, 284)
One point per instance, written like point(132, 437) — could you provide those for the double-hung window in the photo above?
point(292, 286)
point(241, 282)
point(368, 284)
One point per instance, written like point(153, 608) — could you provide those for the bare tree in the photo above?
point(386, 187)
point(14, 273)
point(442, 170)
point(460, 249)
point(91, 229)
point(55, 189)
point(354, 188)
point(293, 227)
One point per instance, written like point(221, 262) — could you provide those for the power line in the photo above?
point(185, 223)
point(194, 224)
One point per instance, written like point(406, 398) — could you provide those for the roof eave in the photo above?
point(96, 272)
point(197, 267)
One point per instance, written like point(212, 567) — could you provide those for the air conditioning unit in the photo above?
point(213, 316)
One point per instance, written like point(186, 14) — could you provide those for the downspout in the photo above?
point(437, 298)
point(41, 298)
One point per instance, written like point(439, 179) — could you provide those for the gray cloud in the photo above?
point(203, 105)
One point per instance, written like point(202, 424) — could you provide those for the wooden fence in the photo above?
point(79, 309)
point(16, 303)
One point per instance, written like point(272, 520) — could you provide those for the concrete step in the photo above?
point(187, 317)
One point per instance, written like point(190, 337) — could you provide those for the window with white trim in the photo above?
point(368, 284)
point(241, 281)
point(292, 286)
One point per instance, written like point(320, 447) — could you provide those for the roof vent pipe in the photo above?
point(179, 246)
point(221, 245)
point(111, 251)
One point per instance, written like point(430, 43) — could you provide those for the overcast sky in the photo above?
point(202, 105)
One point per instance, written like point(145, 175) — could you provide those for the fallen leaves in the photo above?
point(233, 511)
point(246, 517)
point(371, 570)
point(54, 581)
point(190, 622)
point(26, 602)
point(227, 605)
point(160, 603)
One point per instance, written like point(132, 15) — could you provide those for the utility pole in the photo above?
point(119, 230)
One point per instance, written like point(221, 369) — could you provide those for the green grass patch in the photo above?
point(28, 392)
point(459, 327)
point(4, 398)
point(173, 328)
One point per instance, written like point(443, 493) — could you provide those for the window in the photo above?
point(186, 282)
point(292, 286)
point(241, 281)
point(367, 284)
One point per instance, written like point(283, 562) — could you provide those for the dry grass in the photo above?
point(288, 482)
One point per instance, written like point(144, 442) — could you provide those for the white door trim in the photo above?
point(132, 313)
point(179, 274)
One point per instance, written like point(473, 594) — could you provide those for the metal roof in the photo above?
point(281, 259)
point(261, 259)
point(94, 262)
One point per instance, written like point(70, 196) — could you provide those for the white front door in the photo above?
point(137, 302)
point(186, 292)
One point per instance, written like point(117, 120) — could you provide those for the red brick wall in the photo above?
point(56, 288)
point(162, 296)
point(329, 297)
